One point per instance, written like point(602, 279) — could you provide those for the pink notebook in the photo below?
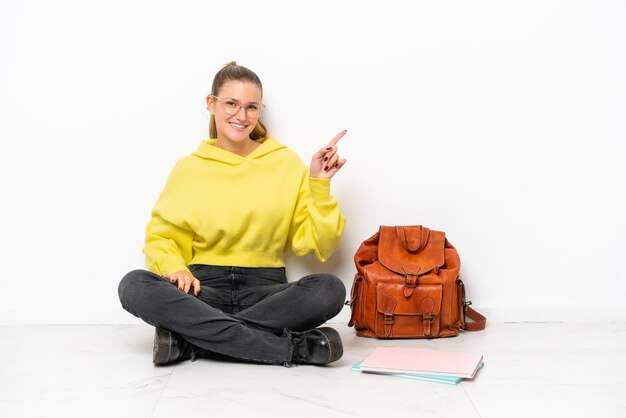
point(435, 363)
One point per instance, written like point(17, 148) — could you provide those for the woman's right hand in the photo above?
point(326, 162)
point(185, 281)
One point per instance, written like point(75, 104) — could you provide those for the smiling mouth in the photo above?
point(238, 125)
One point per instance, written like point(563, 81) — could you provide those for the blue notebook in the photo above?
point(448, 380)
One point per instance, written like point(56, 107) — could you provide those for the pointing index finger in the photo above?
point(336, 139)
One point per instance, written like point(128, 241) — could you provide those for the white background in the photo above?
point(499, 122)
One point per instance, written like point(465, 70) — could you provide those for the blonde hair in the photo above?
point(230, 72)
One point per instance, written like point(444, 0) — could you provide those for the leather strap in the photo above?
point(411, 273)
point(427, 310)
point(389, 307)
point(413, 238)
point(479, 320)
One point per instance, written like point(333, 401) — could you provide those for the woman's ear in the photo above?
point(210, 104)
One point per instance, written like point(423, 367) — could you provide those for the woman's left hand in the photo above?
point(326, 162)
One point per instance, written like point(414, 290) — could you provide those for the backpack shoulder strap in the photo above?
point(479, 320)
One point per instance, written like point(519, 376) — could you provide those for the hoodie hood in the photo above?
point(209, 151)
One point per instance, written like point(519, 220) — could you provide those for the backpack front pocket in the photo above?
point(417, 315)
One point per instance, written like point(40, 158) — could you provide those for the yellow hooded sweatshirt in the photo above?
point(219, 208)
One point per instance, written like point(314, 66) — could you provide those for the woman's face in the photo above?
point(238, 126)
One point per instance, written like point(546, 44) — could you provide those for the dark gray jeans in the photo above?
point(246, 313)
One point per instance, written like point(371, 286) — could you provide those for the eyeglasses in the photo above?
point(232, 106)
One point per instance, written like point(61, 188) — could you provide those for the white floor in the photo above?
point(531, 369)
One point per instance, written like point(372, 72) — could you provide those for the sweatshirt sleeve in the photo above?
point(317, 224)
point(169, 238)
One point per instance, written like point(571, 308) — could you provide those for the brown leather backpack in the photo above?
point(408, 286)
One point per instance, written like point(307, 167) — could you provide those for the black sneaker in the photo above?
point(169, 348)
point(317, 346)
